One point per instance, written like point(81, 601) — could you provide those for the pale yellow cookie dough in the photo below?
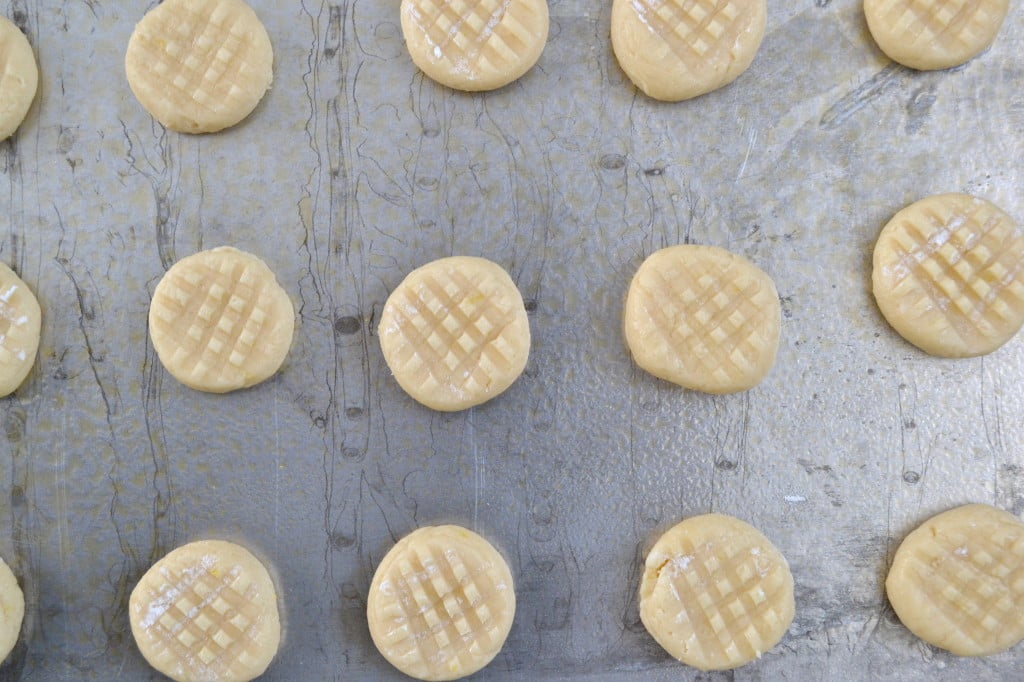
point(20, 320)
point(716, 593)
point(219, 321)
point(455, 333)
point(934, 34)
point(199, 66)
point(474, 44)
point(949, 275)
point(441, 603)
point(677, 49)
point(957, 582)
point(703, 318)
point(19, 77)
point(12, 610)
point(207, 611)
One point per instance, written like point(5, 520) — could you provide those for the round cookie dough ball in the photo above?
point(934, 34)
point(12, 610)
point(207, 611)
point(199, 66)
point(949, 275)
point(716, 593)
point(675, 50)
point(957, 582)
point(441, 603)
point(19, 77)
point(474, 44)
point(20, 321)
point(703, 318)
point(219, 321)
point(455, 333)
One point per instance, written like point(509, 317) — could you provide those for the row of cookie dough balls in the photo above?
point(948, 275)
point(715, 594)
point(200, 66)
point(673, 50)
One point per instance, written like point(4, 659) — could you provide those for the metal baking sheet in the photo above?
point(354, 170)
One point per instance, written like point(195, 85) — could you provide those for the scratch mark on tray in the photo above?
point(163, 175)
point(861, 96)
point(477, 466)
point(1005, 474)
point(751, 143)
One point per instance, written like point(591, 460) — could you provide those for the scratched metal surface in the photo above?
point(354, 170)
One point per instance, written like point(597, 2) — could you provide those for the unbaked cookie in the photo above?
point(957, 582)
point(455, 333)
point(441, 603)
point(934, 34)
point(949, 275)
point(475, 44)
point(207, 611)
point(19, 77)
point(20, 319)
point(677, 49)
point(219, 321)
point(703, 318)
point(12, 610)
point(199, 66)
point(716, 593)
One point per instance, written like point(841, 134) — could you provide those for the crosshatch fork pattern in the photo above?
point(212, 623)
point(213, 316)
point(693, 29)
point(203, 58)
point(704, 321)
point(975, 582)
point(471, 32)
point(454, 331)
point(731, 595)
point(969, 268)
point(449, 601)
point(945, 22)
point(17, 331)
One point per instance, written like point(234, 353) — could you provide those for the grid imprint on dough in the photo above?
point(172, 81)
point(490, 29)
point(188, 325)
point(973, 614)
point(434, 358)
point(232, 632)
point(665, 302)
point(710, 569)
point(13, 335)
point(944, 22)
point(692, 28)
point(981, 244)
point(439, 606)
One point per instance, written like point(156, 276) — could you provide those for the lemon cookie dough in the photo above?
point(677, 49)
point(20, 319)
point(474, 44)
point(207, 611)
point(219, 321)
point(949, 275)
point(441, 603)
point(12, 610)
point(703, 318)
point(716, 593)
point(19, 77)
point(934, 34)
point(455, 333)
point(957, 582)
point(199, 66)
